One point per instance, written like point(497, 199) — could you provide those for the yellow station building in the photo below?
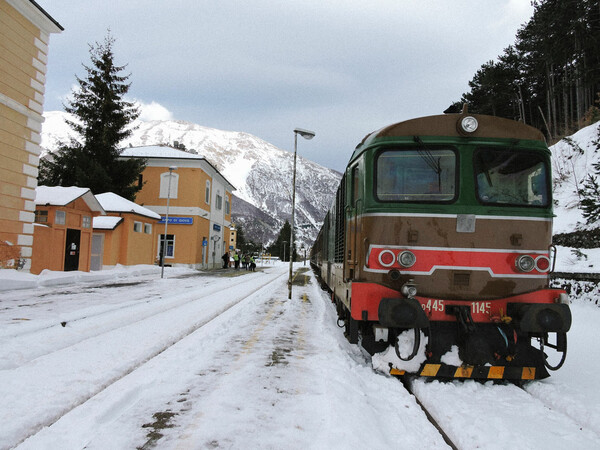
point(199, 205)
point(25, 30)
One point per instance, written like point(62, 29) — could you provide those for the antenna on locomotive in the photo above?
point(455, 108)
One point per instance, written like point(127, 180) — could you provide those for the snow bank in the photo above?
point(12, 279)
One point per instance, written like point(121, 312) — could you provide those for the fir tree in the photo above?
point(590, 197)
point(278, 247)
point(590, 193)
point(102, 120)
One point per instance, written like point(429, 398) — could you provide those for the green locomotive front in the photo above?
point(442, 227)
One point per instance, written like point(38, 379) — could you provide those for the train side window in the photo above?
point(416, 175)
point(355, 181)
point(508, 177)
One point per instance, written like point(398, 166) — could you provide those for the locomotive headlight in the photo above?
point(407, 259)
point(469, 124)
point(525, 263)
point(409, 289)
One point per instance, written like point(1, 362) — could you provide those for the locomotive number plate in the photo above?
point(433, 305)
point(481, 308)
point(438, 306)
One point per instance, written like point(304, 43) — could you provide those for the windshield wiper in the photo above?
point(430, 160)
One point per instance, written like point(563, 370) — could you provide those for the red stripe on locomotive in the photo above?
point(498, 262)
point(366, 297)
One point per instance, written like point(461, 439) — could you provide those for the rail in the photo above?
point(578, 276)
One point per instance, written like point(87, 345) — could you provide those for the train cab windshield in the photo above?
point(416, 175)
point(511, 178)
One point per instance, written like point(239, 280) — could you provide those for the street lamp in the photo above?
point(164, 246)
point(306, 135)
point(284, 242)
point(215, 239)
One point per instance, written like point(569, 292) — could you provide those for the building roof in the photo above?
point(112, 202)
point(166, 152)
point(106, 222)
point(62, 196)
point(158, 151)
point(36, 15)
point(43, 11)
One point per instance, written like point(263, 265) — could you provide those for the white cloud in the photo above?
point(153, 111)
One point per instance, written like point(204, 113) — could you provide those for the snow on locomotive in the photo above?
point(437, 250)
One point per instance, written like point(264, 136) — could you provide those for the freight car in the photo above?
point(440, 233)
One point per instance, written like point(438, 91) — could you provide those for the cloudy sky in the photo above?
point(341, 68)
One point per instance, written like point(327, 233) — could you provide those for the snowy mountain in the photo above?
point(572, 160)
point(261, 173)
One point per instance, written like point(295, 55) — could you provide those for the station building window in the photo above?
point(207, 192)
point(60, 217)
point(164, 185)
point(41, 216)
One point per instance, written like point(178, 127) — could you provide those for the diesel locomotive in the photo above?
point(441, 230)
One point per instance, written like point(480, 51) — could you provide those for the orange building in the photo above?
point(199, 205)
point(25, 30)
point(62, 238)
point(126, 235)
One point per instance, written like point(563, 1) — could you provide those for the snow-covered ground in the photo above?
point(125, 359)
point(573, 160)
point(205, 360)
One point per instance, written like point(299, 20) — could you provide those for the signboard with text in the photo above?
point(178, 220)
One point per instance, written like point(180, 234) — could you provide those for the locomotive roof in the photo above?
point(448, 125)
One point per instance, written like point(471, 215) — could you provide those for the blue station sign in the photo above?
point(178, 220)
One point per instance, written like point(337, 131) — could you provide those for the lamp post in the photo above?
point(215, 239)
point(284, 242)
point(306, 135)
point(164, 246)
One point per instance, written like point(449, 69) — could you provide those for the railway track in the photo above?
point(577, 276)
point(406, 381)
point(97, 350)
point(93, 324)
point(505, 413)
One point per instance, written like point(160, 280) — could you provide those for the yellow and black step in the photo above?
point(473, 372)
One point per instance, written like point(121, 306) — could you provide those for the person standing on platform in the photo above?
point(225, 259)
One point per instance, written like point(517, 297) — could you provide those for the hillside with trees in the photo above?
point(550, 77)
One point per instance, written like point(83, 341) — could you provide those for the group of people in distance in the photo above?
point(247, 261)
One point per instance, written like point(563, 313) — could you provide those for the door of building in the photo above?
point(72, 249)
point(169, 247)
point(97, 251)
